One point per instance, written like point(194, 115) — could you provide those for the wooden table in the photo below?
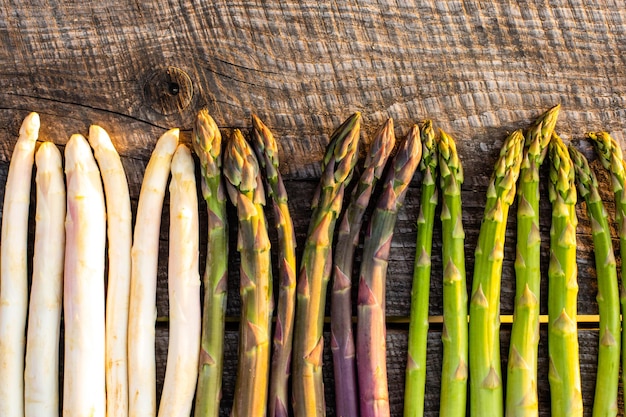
point(477, 69)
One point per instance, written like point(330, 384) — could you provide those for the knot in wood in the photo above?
point(168, 90)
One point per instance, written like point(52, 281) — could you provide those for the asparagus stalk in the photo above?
point(454, 338)
point(207, 142)
point(13, 272)
point(183, 282)
point(119, 225)
point(315, 270)
point(607, 379)
point(564, 373)
point(83, 284)
point(41, 378)
point(342, 339)
point(144, 264)
point(521, 390)
point(371, 331)
point(610, 155)
point(266, 150)
point(418, 324)
point(484, 327)
point(245, 189)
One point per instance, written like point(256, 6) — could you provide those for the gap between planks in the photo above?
point(581, 319)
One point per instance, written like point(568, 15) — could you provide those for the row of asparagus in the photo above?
point(473, 351)
point(263, 378)
point(109, 358)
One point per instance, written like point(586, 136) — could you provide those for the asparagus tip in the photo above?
point(240, 166)
point(206, 135)
point(30, 125)
point(98, 137)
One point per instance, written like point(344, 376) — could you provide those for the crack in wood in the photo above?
point(85, 106)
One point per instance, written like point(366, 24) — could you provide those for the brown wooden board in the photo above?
point(478, 70)
point(396, 364)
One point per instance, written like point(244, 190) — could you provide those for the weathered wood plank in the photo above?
point(396, 363)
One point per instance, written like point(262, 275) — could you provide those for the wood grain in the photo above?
point(479, 70)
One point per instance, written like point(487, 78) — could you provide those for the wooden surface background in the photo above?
point(478, 69)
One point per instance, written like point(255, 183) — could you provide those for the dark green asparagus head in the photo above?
point(265, 147)
point(507, 168)
point(241, 170)
point(403, 167)
point(561, 186)
point(585, 177)
point(341, 154)
point(610, 154)
point(342, 140)
point(207, 143)
point(449, 164)
point(539, 134)
point(339, 161)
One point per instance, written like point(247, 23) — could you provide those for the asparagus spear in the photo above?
point(119, 234)
point(266, 150)
point(484, 327)
point(521, 390)
point(315, 270)
point(41, 374)
point(207, 142)
point(245, 189)
point(342, 340)
point(371, 331)
point(610, 155)
point(144, 264)
point(455, 340)
point(83, 284)
point(418, 324)
point(564, 373)
point(183, 282)
point(14, 275)
point(607, 379)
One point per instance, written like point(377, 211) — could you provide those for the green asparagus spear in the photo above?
point(610, 155)
point(342, 340)
point(266, 150)
point(484, 327)
point(207, 143)
point(564, 372)
point(418, 328)
point(315, 270)
point(521, 389)
point(455, 340)
point(371, 332)
point(245, 190)
point(607, 379)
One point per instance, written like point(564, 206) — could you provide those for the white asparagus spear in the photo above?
point(119, 235)
point(83, 285)
point(181, 372)
point(41, 375)
point(13, 270)
point(144, 264)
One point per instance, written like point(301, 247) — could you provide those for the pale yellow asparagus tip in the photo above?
point(30, 125)
point(169, 140)
point(100, 138)
point(47, 157)
point(76, 150)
